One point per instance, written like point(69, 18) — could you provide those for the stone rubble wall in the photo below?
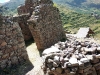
point(12, 45)
point(24, 12)
point(28, 7)
point(45, 24)
point(72, 57)
point(22, 21)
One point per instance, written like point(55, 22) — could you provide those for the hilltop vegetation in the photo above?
point(73, 20)
point(81, 6)
point(11, 7)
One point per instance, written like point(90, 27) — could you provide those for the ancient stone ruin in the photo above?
point(44, 22)
point(12, 46)
point(37, 19)
point(22, 21)
point(72, 57)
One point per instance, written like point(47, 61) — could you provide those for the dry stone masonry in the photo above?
point(24, 12)
point(22, 21)
point(12, 46)
point(44, 22)
point(72, 57)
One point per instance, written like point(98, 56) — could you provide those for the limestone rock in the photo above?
point(84, 60)
point(50, 50)
point(73, 61)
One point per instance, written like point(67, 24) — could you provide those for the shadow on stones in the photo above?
point(40, 52)
point(20, 69)
point(29, 42)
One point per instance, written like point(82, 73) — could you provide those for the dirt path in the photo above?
point(35, 59)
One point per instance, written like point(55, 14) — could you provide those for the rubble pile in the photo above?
point(72, 57)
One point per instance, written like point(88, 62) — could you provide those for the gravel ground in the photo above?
point(35, 59)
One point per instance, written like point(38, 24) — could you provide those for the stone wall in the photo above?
point(27, 8)
point(22, 20)
point(24, 12)
point(45, 22)
point(12, 46)
point(72, 57)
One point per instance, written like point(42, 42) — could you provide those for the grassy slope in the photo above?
point(81, 6)
point(73, 20)
point(12, 6)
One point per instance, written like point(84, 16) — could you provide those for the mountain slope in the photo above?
point(11, 6)
point(73, 20)
point(82, 6)
point(79, 3)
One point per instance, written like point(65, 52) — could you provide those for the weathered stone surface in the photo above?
point(14, 60)
point(72, 59)
point(3, 44)
point(3, 63)
point(5, 56)
point(24, 27)
point(43, 20)
point(10, 45)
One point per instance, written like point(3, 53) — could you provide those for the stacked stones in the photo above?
point(24, 12)
point(12, 46)
point(22, 20)
point(72, 58)
point(45, 24)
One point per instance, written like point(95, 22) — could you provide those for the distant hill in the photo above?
point(80, 3)
point(11, 6)
point(82, 6)
point(72, 20)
